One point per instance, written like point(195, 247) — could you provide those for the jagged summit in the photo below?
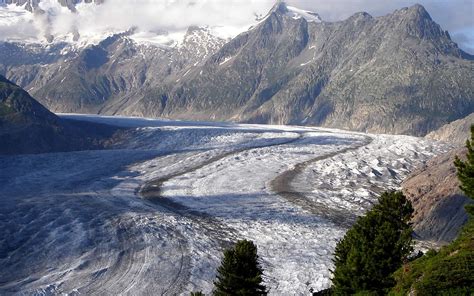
point(416, 21)
point(417, 11)
point(281, 8)
point(414, 13)
point(361, 15)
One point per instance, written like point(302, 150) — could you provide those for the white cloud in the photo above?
point(16, 23)
point(146, 15)
point(169, 15)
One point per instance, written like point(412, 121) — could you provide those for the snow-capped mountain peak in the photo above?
point(80, 23)
point(282, 8)
point(297, 13)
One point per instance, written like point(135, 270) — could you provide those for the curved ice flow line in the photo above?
point(152, 191)
point(281, 185)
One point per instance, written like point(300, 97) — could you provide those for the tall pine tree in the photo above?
point(240, 272)
point(374, 248)
point(466, 171)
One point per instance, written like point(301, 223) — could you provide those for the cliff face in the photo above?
point(437, 199)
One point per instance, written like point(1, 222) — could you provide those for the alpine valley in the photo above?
point(131, 158)
point(400, 73)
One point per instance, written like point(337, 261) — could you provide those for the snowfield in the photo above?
point(152, 215)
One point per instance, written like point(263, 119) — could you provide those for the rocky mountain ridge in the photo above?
point(399, 73)
point(455, 132)
point(28, 127)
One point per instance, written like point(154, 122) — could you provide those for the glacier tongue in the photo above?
point(75, 222)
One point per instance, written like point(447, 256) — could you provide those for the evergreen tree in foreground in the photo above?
point(374, 248)
point(466, 171)
point(240, 272)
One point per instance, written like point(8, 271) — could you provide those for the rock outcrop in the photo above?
point(437, 200)
point(455, 132)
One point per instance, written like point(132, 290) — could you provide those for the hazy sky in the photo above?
point(456, 16)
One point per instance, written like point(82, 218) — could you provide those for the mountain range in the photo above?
point(400, 73)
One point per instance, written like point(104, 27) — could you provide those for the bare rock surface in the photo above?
point(455, 132)
point(437, 199)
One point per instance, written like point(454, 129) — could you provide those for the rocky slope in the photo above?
point(400, 73)
point(27, 127)
point(390, 74)
point(455, 132)
point(437, 199)
point(109, 77)
point(434, 188)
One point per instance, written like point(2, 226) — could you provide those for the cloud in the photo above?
point(92, 20)
point(153, 15)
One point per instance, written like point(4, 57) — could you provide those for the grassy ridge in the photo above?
point(450, 271)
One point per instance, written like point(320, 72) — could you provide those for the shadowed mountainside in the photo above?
point(437, 199)
point(28, 127)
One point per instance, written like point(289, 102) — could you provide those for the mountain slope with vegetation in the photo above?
point(444, 272)
point(449, 271)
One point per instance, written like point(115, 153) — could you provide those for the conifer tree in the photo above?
point(465, 170)
point(374, 248)
point(240, 272)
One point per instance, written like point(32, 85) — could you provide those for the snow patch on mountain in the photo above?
point(297, 13)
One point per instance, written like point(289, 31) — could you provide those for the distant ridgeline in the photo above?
point(399, 73)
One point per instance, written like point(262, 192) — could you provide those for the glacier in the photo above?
point(153, 214)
